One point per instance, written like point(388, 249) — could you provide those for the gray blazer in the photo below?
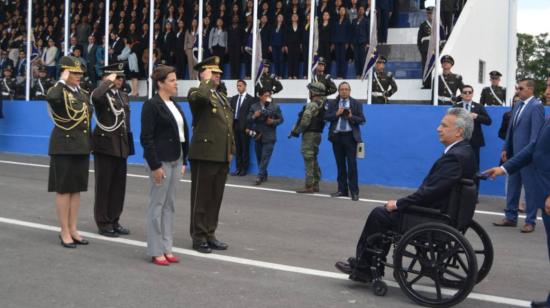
point(217, 38)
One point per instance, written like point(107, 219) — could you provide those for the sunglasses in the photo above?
point(467, 92)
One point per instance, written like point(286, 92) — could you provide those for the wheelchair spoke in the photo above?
point(464, 266)
point(437, 287)
point(410, 283)
point(431, 247)
point(448, 271)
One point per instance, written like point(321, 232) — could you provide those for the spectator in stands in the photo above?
point(323, 7)
point(277, 43)
point(222, 13)
point(384, 10)
point(168, 44)
point(48, 58)
point(340, 42)
point(294, 8)
point(180, 45)
point(217, 42)
point(190, 39)
point(293, 46)
point(264, 10)
point(116, 47)
point(265, 34)
point(83, 30)
point(353, 10)
point(206, 29)
point(493, 94)
point(325, 38)
point(360, 37)
point(448, 10)
point(278, 11)
point(4, 60)
point(305, 46)
point(21, 66)
point(235, 35)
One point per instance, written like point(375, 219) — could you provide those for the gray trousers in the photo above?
point(161, 209)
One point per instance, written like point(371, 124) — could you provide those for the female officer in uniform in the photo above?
point(69, 148)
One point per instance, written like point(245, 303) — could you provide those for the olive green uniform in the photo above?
point(383, 86)
point(325, 79)
point(489, 98)
point(211, 148)
point(454, 84)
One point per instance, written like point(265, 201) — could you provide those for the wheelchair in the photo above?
point(438, 254)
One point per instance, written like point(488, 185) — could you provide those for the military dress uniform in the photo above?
point(8, 86)
point(310, 125)
point(69, 147)
point(383, 85)
point(493, 95)
point(423, 44)
point(41, 86)
point(112, 144)
point(325, 79)
point(268, 81)
point(449, 84)
point(212, 146)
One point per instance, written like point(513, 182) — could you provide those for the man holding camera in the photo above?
point(264, 117)
point(310, 124)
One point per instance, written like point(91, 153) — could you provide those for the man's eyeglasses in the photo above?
point(467, 92)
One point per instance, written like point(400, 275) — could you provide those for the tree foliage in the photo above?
point(533, 56)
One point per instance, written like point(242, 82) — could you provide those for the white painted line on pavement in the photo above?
point(255, 188)
point(262, 264)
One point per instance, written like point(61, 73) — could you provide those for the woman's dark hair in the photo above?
point(160, 73)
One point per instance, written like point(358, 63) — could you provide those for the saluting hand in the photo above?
point(207, 74)
point(158, 176)
point(111, 77)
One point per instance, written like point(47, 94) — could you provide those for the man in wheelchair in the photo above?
point(456, 163)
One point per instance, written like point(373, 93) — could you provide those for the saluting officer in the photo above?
point(42, 84)
point(423, 41)
point(211, 150)
point(311, 124)
point(112, 144)
point(494, 94)
point(8, 84)
point(69, 148)
point(323, 78)
point(383, 84)
point(449, 83)
point(267, 81)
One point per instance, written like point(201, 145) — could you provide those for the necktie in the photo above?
point(516, 118)
point(238, 107)
point(343, 121)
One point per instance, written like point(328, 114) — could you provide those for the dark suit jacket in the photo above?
point(159, 133)
point(526, 129)
point(537, 153)
point(117, 48)
point(269, 132)
point(435, 191)
point(90, 56)
point(114, 143)
point(357, 118)
point(243, 110)
point(483, 117)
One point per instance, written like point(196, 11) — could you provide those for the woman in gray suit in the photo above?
point(191, 35)
point(164, 138)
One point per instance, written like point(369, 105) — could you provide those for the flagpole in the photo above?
point(29, 50)
point(199, 54)
point(67, 28)
point(106, 39)
point(254, 47)
point(436, 27)
point(372, 20)
point(311, 32)
point(511, 64)
point(151, 38)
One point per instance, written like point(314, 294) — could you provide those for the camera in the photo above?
point(345, 113)
point(265, 113)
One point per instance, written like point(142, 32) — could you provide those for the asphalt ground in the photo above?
point(283, 247)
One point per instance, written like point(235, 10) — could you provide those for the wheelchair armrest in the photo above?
point(421, 210)
point(414, 215)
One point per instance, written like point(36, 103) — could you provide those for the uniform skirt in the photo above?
point(68, 173)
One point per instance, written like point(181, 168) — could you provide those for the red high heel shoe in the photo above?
point(156, 261)
point(172, 259)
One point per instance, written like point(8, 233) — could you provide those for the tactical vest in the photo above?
point(318, 122)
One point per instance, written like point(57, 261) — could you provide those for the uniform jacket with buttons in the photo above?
point(75, 141)
point(159, 134)
point(212, 124)
point(114, 143)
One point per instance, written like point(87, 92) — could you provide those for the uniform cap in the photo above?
point(212, 63)
point(447, 58)
point(71, 64)
point(116, 68)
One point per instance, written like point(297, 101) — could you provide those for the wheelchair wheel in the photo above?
point(483, 249)
point(379, 288)
point(422, 261)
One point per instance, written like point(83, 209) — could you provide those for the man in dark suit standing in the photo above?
point(90, 56)
point(240, 104)
point(264, 116)
point(116, 47)
point(538, 154)
point(112, 144)
point(211, 151)
point(480, 116)
point(456, 163)
point(235, 36)
point(526, 121)
point(345, 114)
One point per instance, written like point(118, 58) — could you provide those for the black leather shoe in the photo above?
point(202, 247)
point(236, 173)
point(541, 304)
point(258, 181)
point(215, 244)
point(121, 230)
point(67, 245)
point(343, 267)
point(81, 242)
point(108, 232)
point(355, 197)
point(338, 194)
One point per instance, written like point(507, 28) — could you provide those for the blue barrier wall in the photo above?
point(401, 142)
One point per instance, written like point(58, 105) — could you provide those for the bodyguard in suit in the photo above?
point(494, 94)
point(240, 104)
point(345, 115)
point(480, 117)
point(112, 144)
point(264, 116)
point(456, 163)
point(210, 153)
point(527, 119)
